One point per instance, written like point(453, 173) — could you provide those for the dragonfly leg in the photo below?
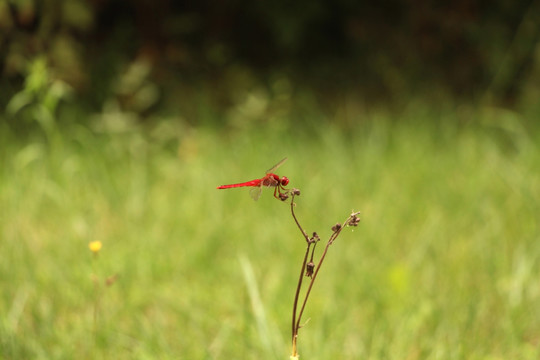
point(278, 194)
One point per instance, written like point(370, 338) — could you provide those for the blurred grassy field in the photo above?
point(444, 265)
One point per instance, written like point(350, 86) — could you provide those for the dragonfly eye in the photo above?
point(284, 181)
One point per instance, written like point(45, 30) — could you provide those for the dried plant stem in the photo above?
point(305, 257)
point(299, 286)
point(310, 286)
point(297, 315)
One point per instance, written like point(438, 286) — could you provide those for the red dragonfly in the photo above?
point(268, 180)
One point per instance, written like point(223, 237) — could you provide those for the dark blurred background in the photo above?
point(199, 59)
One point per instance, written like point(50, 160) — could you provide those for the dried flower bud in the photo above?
point(314, 238)
point(296, 192)
point(111, 279)
point(336, 227)
point(94, 279)
point(283, 196)
point(310, 266)
point(354, 220)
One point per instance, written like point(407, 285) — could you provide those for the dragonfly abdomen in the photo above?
point(256, 182)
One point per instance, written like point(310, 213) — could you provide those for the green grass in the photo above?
point(444, 264)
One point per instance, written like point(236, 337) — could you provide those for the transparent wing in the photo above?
point(273, 168)
point(255, 192)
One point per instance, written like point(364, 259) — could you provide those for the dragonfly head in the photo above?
point(284, 181)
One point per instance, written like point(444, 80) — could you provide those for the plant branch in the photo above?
point(352, 220)
point(294, 329)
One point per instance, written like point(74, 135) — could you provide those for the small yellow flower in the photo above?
point(95, 246)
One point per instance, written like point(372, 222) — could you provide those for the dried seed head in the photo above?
point(314, 238)
point(283, 196)
point(296, 192)
point(354, 220)
point(336, 227)
point(310, 266)
point(111, 279)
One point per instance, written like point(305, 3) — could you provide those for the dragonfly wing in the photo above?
point(255, 192)
point(273, 168)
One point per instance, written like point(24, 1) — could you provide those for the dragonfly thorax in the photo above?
point(274, 180)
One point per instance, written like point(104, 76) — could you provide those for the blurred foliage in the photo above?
point(245, 60)
point(40, 96)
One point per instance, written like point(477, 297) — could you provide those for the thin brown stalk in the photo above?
point(352, 220)
point(294, 329)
